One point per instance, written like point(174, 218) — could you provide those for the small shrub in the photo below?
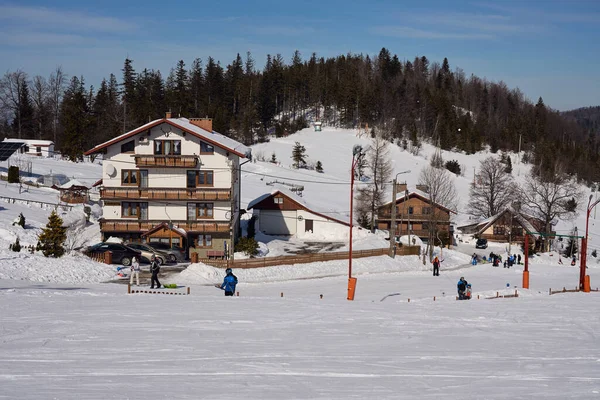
point(319, 167)
point(453, 166)
point(13, 174)
point(16, 246)
point(248, 245)
point(273, 158)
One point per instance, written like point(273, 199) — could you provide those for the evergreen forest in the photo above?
point(409, 101)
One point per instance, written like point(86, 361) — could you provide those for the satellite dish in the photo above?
point(111, 170)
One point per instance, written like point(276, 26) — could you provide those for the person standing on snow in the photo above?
point(461, 286)
point(155, 269)
point(229, 283)
point(436, 266)
point(135, 270)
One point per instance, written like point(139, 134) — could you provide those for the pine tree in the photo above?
point(75, 119)
point(508, 168)
point(51, 240)
point(319, 167)
point(299, 155)
point(16, 246)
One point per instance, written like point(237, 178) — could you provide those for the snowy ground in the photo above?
point(96, 342)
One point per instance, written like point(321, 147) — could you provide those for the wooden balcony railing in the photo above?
point(125, 193)
point(166, 161)
point(386, 216)
point(122, 225)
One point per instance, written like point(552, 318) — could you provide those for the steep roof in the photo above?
point(214, 138)
point(417, 194)
point(302, 204)
point(486, 223)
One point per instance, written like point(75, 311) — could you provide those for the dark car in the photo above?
point(121, 254)
point(481, 244)
point(148, 252)
point(174, 253)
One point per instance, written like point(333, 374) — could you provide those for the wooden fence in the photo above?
point(41, 203)
point(307, 258)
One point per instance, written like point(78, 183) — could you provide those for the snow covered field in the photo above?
point(96, 342)
point(64, 334)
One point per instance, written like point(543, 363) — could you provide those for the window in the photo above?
point(204, 241)
point(128, 147)
point(278, 200)
point(134, 177)
point(199, 178)
point(427, 210)
point(167, 147)
point(134, 210)
point(499, 230)
point(411, 210)
point(200, 211)
point(206, 148)
point(38, 149)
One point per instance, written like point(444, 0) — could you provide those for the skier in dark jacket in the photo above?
point(461, 286)
point(229, 283)
point(436, 266)
point(155, 269)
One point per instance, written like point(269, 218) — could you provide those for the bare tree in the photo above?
point(11, 87)
point(550, 197)
point(495, 191)
point(41, 102)
point(56, 88)
point(441, 191)
point(371, 196)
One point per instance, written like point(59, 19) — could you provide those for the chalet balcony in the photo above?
point(135, 193)
point(124, 225)
point(161, 161)
point(387, 216)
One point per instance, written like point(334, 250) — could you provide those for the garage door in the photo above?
point(278, 222)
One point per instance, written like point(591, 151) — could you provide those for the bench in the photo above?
point(215, 254)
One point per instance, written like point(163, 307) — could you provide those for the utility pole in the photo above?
point(393, 220)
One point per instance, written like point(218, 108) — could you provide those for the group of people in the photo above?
point(464, 289)
point(496, 260)
point(229, 282)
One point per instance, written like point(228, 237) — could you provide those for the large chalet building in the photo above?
point(173, 180)
point(414, 212)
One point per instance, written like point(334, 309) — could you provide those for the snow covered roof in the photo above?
point(417, 193)
point(72, 183)
point(483, 225)
point(31, 142)
point(330, 215)
point(185, 125)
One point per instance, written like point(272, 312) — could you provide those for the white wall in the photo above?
point(322, 227)
point(175, 212)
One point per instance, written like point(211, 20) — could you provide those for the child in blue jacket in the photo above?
point(229, 283)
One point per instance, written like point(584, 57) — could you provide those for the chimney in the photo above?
point(423, 188)
point(168, 115)
point(204, 123)
point(401, 187)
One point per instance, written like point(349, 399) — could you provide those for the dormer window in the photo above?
point(206, 148)
point(128, 147)
point(278, 200)
point(167, 147)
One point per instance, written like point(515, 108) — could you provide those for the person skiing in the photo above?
point(519, 259)
point(461, 286)
point(155, 269)
point(229, 283)
point(436, 266)
point(135, 270)
point(574, 261)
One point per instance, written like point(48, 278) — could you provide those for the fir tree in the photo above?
point(273, 158)
point(508, 168)
point(299, 155)
point(51, 240)
point(16, 246)
point(319, 167)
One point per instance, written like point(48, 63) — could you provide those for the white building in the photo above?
point(42, 148)
point(281, 212)
point(172, 180)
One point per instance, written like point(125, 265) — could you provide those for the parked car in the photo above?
point(481, 244)
point(121, 254)
point(147, 252)
point(174, 253)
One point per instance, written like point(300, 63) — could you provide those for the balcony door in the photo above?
point(144, 178)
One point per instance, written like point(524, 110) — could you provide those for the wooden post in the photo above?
point(433, 298)
point(237, 294)
point(188, 290)
point(128, 288)
point(321, 296)
point(281, 294)
point(409, 299)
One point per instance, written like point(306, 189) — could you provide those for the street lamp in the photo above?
point(357, 154)
point(393, 216)
point(583, 261)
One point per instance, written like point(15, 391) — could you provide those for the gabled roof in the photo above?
point(34, 142)
point(213, 138)
point(519, 217)
point(164, 225)
point(301, 204)
point(417, 194)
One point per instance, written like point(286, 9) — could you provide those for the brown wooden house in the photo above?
point(414, 212)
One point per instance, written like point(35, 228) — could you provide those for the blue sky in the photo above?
point(546, 48)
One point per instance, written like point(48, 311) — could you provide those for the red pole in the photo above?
point(583, 260)
point(351, 201)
